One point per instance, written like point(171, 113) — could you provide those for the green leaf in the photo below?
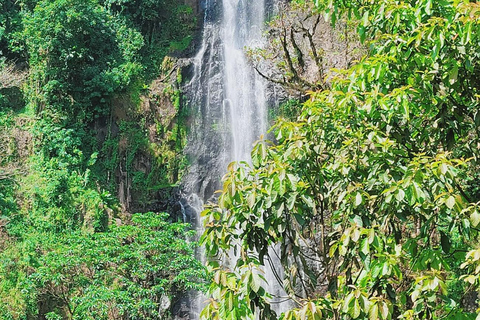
point(255, 282)
point(291, 200)
point(475, 218)
point(383, 309)
point(308, 201)
point(355, 234)
point(358, 199)
point(373, 312)
point(355, 310)
point(415, 295)
point(347, 303)
point(419, 194)
point(365, 19)
point(411, 195)
point(428, 7)
point(450, 203)
point(365, 246)
point(371, 236)
point(251, 200)
point(333, 249)
point(362, 33)
point(279, 209)
point(400, 195)
point(445, 242)
point(443, 168)
point(453, 75)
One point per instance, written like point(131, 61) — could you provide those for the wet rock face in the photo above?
point(212, 11)
point(226, 97)
point(207, 137)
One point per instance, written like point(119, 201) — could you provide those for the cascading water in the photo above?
point(229, 98)
point(244, 90)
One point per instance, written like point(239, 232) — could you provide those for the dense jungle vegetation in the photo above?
point(371, 195)
point(74, 83)
point(369, 187)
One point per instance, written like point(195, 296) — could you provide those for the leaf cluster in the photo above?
point(367, 194)
point(124, 271)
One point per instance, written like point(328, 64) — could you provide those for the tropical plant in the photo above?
point(134, 270)
point(66, 250)
point(79, 55)
point(369, 196)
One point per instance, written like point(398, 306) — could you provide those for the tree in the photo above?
point(370, 193)
point(10, 24)
point(132, 271)
point(167, 26)
point(79, 56)
point(302, 47)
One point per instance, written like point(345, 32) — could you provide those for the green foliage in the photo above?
point(10, 24)
point(166, 26)
point(372, 182)
point(148, 166)
point(126, 271)
point(290, 109)
point(80, 55)
point(60, 255)
point(8, 181)
point(7, 196)
point(60, 192)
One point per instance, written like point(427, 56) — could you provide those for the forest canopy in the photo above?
point(72, 78)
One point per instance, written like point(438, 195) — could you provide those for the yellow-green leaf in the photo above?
point(373, 312)
point(475, 218)
point(251, 200)
point(255, 282)
point(450, 203)
point(358, 199)
point(383, 309)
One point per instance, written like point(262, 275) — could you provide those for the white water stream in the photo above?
point(230, 100)
point(244, 90)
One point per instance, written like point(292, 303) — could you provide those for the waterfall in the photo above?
point(243, 22)
point(227, 96)
point(229, 100)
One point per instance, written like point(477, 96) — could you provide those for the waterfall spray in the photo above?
point(230, 101)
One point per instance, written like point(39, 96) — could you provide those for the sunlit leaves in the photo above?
point(126, 269)
point(370, 182)
point(79, 55)
point(234, 293)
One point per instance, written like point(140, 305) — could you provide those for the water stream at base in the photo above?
point(230, 104)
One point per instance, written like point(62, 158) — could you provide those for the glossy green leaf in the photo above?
point(450, 202)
